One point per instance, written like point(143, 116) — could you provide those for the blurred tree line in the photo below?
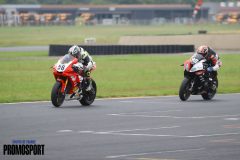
point(105, 1)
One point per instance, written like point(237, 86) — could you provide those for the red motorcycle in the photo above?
point(69, 85)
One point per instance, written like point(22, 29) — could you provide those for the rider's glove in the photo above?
point(210, 69)
point(75, 68)
point(78, 66)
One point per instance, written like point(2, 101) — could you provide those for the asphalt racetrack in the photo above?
point(157, 128)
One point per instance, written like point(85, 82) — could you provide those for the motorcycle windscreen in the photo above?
point(197, 67)
point(196, 58)
point(64, 62)
point(66, 59)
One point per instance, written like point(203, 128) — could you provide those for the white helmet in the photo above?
point(75, 51)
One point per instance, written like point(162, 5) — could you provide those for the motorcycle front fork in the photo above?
point(191, 86)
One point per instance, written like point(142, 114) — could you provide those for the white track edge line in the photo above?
point(117, 98)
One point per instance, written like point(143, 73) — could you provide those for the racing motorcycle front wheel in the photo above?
point(184, 92)
point(56, 96)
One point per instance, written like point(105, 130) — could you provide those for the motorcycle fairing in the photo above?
point(64, 73)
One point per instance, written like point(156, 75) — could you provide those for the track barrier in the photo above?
point(59, 50)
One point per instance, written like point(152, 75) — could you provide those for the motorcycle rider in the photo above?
point(212, 60)
point(85, 62)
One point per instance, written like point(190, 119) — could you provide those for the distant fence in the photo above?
point(58, 50)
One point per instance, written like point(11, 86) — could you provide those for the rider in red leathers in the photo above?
point(213, 62)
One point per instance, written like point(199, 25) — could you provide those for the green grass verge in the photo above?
point(45, 35)
point(28, 77)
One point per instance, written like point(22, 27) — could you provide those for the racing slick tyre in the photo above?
point(89, 96)
point(56, 96)
point(212, 91)
point(184, 92)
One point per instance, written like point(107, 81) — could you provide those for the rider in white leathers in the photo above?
point(85, 62)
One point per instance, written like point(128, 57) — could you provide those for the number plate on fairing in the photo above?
point(61, 67)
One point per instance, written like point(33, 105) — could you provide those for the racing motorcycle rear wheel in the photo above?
point(184, 92)
point(56, 96)
point(212, 91)
point(89, 96)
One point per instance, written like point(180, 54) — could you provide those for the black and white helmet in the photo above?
point(75, 51)
point(203, 50)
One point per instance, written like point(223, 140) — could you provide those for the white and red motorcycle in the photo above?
point(191, 84)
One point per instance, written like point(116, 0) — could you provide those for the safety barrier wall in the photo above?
point(58, 50)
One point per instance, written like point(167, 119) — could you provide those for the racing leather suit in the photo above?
point(214, 64)
point(88, 64)
point(213, 60)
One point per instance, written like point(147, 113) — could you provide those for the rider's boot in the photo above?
point(88, 84)
point(204, 84)
point(88, 81)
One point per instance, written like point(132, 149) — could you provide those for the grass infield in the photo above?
point(45, 35)
point(28, 77)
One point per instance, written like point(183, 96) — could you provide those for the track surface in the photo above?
point(128, 129)
point(24, 49)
